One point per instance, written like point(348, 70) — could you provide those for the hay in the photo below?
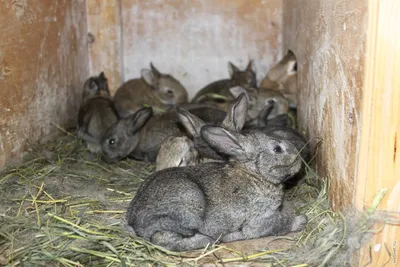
point(64, 207)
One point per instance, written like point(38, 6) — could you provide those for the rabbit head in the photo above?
point(246, 78)
point(274, 159)
point(96, 86)
point(123, 136)
point(166, 88)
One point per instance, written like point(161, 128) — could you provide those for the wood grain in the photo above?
point(105, 49)
point(379, 163)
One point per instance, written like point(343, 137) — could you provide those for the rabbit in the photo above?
point(282, 77)
point(188, 208)
point(96, 113)
point(258, 101)
point(280, 126)
point(177, 152)
point(245, 78)
point(154, 88)
point(184, 151)
point(234, 120)
point(140, 135)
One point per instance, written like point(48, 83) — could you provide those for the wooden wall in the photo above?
point(328, 38)
point(43, 63)
point(379, 163)
point(192, 40)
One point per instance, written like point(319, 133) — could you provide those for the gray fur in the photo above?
point(97, 112)
point(234, 120)
point(188, 208)
point(140, 135)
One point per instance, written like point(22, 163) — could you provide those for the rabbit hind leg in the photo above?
point(177, 242)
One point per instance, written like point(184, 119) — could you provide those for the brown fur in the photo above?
point(282, 77)
point(159, 90)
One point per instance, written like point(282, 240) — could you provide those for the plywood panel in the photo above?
point(328, 38)
point(194, 40)
point(42, 68)
point(105, 40)
point(379, 163)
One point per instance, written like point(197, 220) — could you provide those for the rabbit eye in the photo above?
point(278, 149)
point(271, 101)
point(111, 141)
point(295, 67)
point(170, 92)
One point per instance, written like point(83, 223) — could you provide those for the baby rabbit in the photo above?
point(153, 88)
point(177, 152)
point(283, 77)
point(97, 112)
point(246, 79)
point(189, 208)
point(182, 151)
point(281, 128)
point(234, 121)
point(140, 135)
point(264, 100)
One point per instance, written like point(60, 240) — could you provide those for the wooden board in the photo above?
point(328, 38)
point(105, 40)
point(43, 64)
point(194, 40)
point(379, 157)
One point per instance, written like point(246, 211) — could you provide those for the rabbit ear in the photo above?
point(155, 71)
point(236, 117)
point(191, 122)
point(223, 141)
point(266, 111)
point(237, 90)
point(250, 66)
point(137, 120)
point(232, 68)
point(291, 68)
point(148, 77)
point(102, 76)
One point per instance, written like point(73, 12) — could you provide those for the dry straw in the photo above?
point(64, 207)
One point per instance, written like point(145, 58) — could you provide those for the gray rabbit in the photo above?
point(234, 120)
point(191, 207)
point(245, 78)
point(97, 112)
point(280, 127)
point(192, 149)
point(140, 135)
point(153, 88)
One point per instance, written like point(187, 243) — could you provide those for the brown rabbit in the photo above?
point(177, 151)
point(97, 112)
point(245, 78)
point(283, 78)
point(154, 88)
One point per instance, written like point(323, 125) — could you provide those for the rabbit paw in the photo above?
point(299, 223)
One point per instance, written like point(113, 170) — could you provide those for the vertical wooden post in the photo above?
point(379, 158)
point(105, 49)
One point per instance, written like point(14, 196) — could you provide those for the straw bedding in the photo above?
point(65, 207)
